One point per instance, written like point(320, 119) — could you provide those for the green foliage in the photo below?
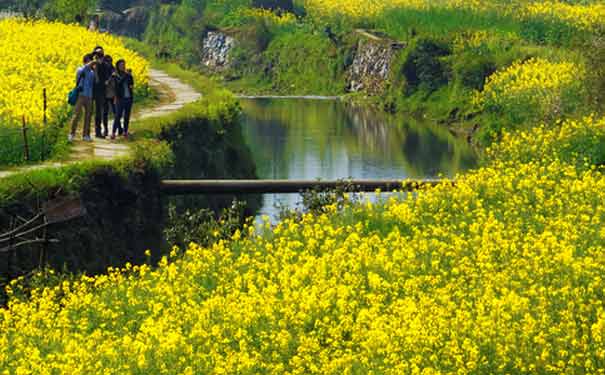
point(216, 10)
point(118, 5)
point(472, 73)
point(29, 8)
point(43, 143)
point(594, 50)
point(69, 10)
point(300, 63)
point(551, 32)
point(204, 226)
point(43, 183)
point(424, 67)
point(176, 30)
point(322, 201)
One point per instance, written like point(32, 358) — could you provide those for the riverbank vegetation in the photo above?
point(42, 57)
point(449, 50)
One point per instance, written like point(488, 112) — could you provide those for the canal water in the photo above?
point(324, 139)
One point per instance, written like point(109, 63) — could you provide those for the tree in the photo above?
point(285, 5)
point(69, 10)
point(121, 5)
point(29, 8)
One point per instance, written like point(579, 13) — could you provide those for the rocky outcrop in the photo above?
point(216, 50)
point(372, 63)
point(130, 22)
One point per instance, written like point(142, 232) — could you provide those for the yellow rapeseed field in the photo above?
point(503, 273)
point(536, 85)
point(373, 8)
point(586, 17)
point(41, 54)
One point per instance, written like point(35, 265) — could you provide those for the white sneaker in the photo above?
point(87, 139)
point(70, 138)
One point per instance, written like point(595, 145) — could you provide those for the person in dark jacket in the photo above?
point(103, 73)
point(109, 105)
point(124, 98)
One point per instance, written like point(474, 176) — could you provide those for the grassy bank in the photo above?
point(451, 51)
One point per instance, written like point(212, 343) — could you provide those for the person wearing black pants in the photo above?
point(109, 106)
point(124, 98)
point(103, 73)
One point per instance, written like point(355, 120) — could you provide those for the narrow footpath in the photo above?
point(174, 95)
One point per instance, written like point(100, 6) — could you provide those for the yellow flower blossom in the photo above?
point(45, 55)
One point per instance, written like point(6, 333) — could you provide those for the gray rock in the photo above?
point(216, 50)
point(372, 64)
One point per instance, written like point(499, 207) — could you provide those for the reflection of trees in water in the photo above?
point(206, 150)
point(280, 131)
point(425, 149)
point(370, 129)
point(267, 140)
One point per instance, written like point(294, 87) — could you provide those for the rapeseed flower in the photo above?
point(45, 55)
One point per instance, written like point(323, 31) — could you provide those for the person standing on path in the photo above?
point(109, 105)
point(85, 79)
point(103, 73)
point(94, 24)
point(124, 98)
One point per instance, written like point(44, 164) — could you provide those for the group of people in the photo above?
point(106, 89)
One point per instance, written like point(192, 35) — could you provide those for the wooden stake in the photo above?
point(45, 122)
point(25, 144)
point(45, 119)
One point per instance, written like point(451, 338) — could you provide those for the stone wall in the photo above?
point(374, 57)
point(216, 50)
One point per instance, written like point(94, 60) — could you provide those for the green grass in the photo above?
point(403, 23)
point(43, 143)
point(46, 182)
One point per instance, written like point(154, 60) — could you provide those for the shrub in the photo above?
point(203, 226)
point(424, 67)
point(473, 71)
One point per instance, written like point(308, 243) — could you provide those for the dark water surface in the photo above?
point(311, 139)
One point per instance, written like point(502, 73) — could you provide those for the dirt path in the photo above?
point(174, 94)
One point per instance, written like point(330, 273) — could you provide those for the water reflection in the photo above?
point(310, 139)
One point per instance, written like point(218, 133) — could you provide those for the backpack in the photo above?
point(72, 97)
